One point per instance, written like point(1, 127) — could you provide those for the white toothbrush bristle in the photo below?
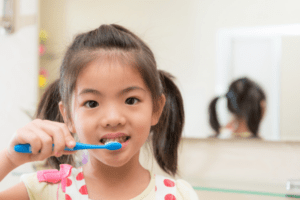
point(108, 142)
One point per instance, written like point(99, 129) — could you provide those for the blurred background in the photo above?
point(205, 44)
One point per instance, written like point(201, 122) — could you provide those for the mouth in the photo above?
point(121, 139)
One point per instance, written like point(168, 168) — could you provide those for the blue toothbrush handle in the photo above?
point(26, 148)
point(23, 148)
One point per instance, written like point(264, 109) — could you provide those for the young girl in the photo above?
point(109, 89)
point(247, 102)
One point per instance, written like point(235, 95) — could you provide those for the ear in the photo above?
point(263, 106)
point(64, 114)
point(157, 114)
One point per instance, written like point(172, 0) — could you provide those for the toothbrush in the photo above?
point(26, 148)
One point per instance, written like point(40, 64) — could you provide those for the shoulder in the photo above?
point(31, 182)
point(33, 186)
point(185, 190)
point(181, 188)
point(39, 187)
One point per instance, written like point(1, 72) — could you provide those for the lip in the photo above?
point(113, 135)
point(124, 144)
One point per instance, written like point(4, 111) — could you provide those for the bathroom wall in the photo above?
point(52, 20)
point(290, 96)
point(18, 75)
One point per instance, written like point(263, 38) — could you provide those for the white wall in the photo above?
point(290, 95)
point(18, 81)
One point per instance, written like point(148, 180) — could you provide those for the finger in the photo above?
point(47, 142)
point(59, 139)
point(69, 139)
point(28, 136)
point(56, 133)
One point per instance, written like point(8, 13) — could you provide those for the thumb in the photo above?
point(70, 141)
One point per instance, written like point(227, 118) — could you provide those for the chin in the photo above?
point(115, 163)
point(113, 160)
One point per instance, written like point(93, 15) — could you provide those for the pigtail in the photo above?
point(213, 119)
point(253, 119)
point(253, 113)
point(48, 109)
point(48, 106)
point(167, 132)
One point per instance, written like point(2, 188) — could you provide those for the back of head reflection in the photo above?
point(246, 101)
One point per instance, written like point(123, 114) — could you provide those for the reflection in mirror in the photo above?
point(246, 102)
point(265, 55)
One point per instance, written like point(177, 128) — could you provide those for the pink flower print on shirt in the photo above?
point(69, 182)
point(170, 197)
point(169, 183)
point(79, 177)
point(83, 190)
point(68, 197)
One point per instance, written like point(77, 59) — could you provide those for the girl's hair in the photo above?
point(117, 43)
point(243, 100)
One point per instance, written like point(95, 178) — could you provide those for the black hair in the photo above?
point(244, 101)
point(116, 42)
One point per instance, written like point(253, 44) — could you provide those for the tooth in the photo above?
point(106, 143)
point(119, 139)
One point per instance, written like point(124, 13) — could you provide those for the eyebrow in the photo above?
point(96, 92)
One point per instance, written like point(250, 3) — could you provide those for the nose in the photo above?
point(113, 117)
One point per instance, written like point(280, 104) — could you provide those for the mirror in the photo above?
point(205, 45)
point(257, 40)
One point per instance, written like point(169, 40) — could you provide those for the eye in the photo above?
point(131, 100)
point(91, 103)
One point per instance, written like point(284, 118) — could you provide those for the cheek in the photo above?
point(142, 117)
point(83, 128)
point(142, 125)
point(78, 124)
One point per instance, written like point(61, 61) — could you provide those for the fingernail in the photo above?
point(71, 143)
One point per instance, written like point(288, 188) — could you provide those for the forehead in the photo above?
point(108, 75)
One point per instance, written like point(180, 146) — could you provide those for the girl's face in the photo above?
point(111, 98)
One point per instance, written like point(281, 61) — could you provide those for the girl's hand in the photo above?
point(40, 134)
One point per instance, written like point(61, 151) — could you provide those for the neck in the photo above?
point(112, 176)
point(107, 182)
point(242, 126)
